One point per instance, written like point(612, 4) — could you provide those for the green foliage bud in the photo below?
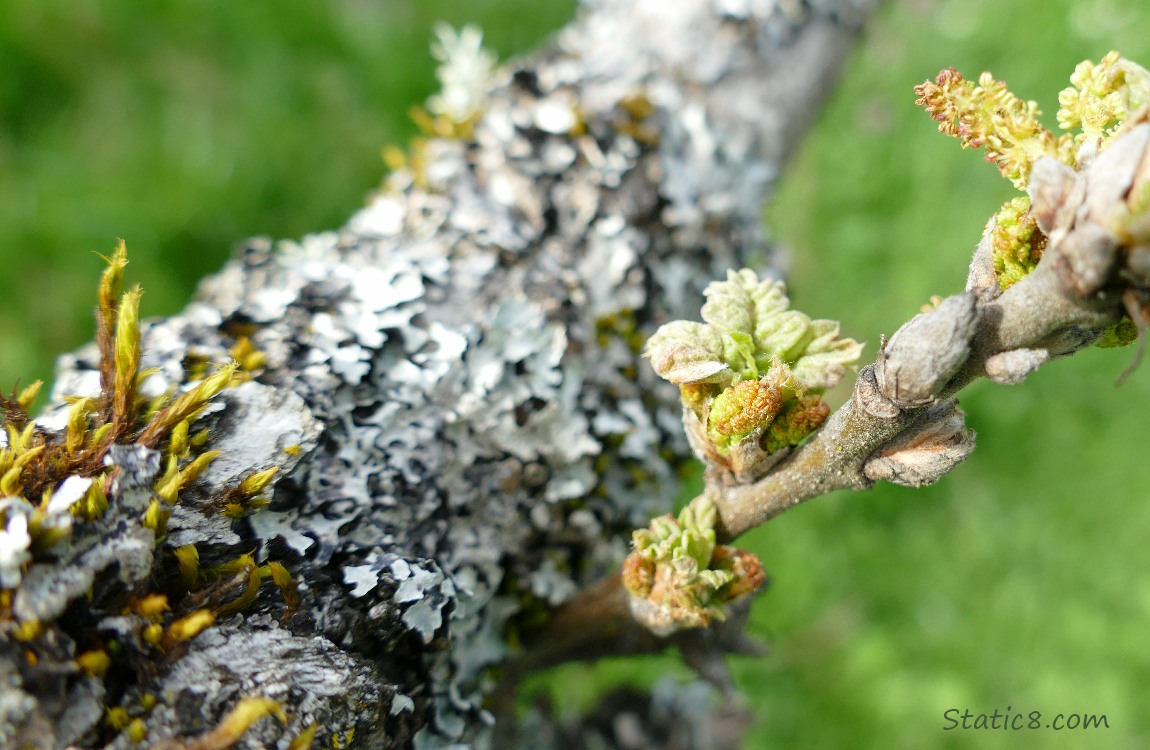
point(749, 326)
point(752, 356)
point(681, 576)
point(1016, 242)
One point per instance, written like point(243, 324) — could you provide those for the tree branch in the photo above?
point(449, 387)
point(902, 424)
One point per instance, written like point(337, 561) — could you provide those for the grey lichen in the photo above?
point(125, 547)
point(457, 443)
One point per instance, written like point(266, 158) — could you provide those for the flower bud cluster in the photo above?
point(1102, 96)
point(679, 578)
point(751, 375)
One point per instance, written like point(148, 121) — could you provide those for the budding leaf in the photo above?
point(686, 352)
point(730, 304)
point(684, 579)
point(784, 335)
point(739, 350)
point(748, 326)
point(751, 357)
point(825, 358)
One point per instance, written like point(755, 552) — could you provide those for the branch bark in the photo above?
point(450, 389)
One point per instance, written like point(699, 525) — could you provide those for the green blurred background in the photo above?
point(1021, 580)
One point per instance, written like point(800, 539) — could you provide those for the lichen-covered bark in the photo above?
point(451, 389)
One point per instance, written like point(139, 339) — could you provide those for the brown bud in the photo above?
point(638, 574)
point(1055, 194)
point(1085, 259)
point(923, 355)
point(745, 566)
point(1013, 367)
point(934, 444)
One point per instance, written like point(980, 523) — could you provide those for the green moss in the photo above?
point(34, 464)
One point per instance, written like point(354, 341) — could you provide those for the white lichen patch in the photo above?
point(466, 72)
point(14, 542)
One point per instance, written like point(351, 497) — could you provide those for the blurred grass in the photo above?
point(1020, 580)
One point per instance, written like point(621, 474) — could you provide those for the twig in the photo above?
point(902, 424)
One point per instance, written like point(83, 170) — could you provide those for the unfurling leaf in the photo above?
point(750, 358)
point(679, 578)
point(748, 327)
point(685, 352)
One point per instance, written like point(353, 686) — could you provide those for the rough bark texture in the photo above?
point(453, 395)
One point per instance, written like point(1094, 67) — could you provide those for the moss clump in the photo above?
point(55, 481)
